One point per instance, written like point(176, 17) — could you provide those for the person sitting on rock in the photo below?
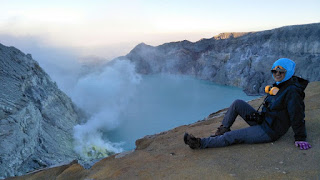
point(283, 107)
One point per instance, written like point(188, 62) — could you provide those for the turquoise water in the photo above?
point(163, 102)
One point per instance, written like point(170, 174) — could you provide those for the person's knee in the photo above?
point(237, 103)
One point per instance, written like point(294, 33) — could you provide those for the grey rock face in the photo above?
point(36, 118)
point(237, 59)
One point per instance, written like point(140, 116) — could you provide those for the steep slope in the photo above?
point(36, 118)
point(165, 156)
point(236, 59)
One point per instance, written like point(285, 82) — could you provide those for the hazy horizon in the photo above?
point(109, 29)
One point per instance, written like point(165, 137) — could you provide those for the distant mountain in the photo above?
point(36, 118)
point(236, 59)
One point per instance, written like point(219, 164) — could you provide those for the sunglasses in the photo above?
point(281, 71)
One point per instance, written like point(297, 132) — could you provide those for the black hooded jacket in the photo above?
point(286, 109)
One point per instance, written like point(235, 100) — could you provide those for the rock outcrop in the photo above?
point(36, 118)
point(165, 156)
point(236, 59)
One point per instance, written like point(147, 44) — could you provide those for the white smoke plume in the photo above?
point(103, 96)
point(102, 93)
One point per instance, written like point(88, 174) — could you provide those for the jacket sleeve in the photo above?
point(296, 110)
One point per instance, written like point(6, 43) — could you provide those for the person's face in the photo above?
point(279, 74)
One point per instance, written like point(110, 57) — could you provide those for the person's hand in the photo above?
point(304, 145)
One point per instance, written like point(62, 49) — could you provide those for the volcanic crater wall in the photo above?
point(236, 59)
point(36, 118)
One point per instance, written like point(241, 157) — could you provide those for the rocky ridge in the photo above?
point(236, 59)
point(36, 118)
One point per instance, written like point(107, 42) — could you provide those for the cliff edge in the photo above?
point(165, 156)
point(36, 118)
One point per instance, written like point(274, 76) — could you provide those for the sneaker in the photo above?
point(221, 130)
point(193, 142)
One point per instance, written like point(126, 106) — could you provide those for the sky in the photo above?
point(111, 28)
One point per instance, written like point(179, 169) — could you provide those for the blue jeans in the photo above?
point(249, 135)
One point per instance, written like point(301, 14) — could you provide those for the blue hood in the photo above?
point(287, 64)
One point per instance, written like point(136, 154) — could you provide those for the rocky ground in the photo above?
point(165, 156)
